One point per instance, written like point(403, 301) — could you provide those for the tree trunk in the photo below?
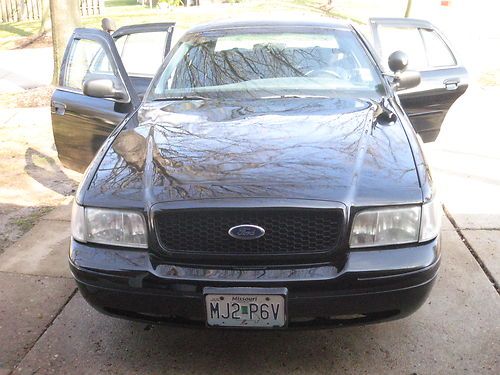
point(408, 9)
point(45, 16)
point(65, 16)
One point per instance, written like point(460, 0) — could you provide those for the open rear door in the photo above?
point(444, 79)
point(142, 49)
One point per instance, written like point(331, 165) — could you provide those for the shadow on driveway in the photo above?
point(48, 172)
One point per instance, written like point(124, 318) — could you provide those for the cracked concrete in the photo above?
point(465, 162)
point(29, 304)
point(34, 285)
point(486, 244)
point(456, 331)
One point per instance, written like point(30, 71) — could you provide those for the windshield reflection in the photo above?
point(256, 64)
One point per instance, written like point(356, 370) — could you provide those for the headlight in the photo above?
point(385, 226)
point(431, 220)
point(78, 222)
point(393, 226)
point(109, 227)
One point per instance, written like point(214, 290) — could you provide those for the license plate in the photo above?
point(242, 307)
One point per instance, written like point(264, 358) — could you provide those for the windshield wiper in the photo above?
point(184, 97)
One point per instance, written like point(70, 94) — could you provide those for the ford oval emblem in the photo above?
point(246, 232)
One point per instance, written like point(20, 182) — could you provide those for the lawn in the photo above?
point(126, 12)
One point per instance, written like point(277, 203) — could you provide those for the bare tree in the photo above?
point(408, 8)
point(65, 16)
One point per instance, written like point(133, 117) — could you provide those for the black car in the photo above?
point(261, 175)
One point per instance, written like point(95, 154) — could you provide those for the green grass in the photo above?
point(25, 223)
point(119, 3)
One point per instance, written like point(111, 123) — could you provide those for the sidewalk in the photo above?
point(465, 163)
point(25, 69)
point(35, 284)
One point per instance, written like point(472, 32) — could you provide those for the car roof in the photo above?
point(321, 22)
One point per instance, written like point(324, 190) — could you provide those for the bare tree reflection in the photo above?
point(261, 149)
point(249, 147)
point(204, 66)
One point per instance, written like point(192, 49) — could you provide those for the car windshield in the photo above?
point(265, 64)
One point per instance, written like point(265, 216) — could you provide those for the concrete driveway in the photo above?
point(46, 327)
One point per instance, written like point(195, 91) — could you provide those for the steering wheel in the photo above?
point(322, 73)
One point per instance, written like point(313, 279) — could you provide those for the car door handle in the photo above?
point(451, 84)
point(58, 108)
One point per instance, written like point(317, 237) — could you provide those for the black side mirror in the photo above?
point(406, 80)
point(105, 86)
point(398, 61)
point(403, 79)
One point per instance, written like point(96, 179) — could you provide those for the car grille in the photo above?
point(288, 231)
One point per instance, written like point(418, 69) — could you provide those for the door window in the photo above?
point(142, 53)
point(85, 56)
point(425, 48)
point(407, 40)
point(438, 53)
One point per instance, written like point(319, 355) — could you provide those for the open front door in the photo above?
point(444, 79)
point(81, 123)
point(131, 56)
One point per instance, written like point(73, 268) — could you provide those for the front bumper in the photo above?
point(373, 285)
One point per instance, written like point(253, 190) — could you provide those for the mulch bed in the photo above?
point(37, 97)
point(36, 41)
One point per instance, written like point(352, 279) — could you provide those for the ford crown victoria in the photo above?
point(259, 174)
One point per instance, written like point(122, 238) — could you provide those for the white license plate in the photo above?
point(245, 310)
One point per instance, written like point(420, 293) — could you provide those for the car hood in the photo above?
point(297, 148)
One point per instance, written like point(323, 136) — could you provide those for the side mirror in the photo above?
point(398, 61)
point(403, 79)
point(104, 86)
point(406, 80)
